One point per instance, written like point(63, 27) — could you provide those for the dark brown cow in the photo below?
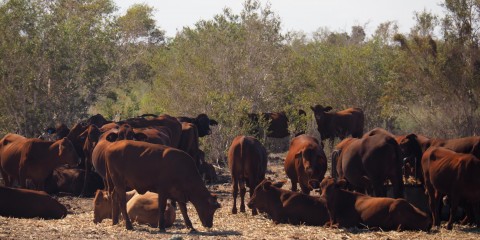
point(338, 124)
point(305, 162)
point(35, 159)
point(366, 163)
point(351, 209)
point(203, 123)
point(247, 160)
point(97, 120)
point(23, 203)
point(453, 174)
point(285, 206)
point(72, 181)
point(167, 171)
point(277, 124)
point(206, 170)
point(141, 208)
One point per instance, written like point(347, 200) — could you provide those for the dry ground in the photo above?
point(79, 224)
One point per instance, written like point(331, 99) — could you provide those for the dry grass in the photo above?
point(79, 224)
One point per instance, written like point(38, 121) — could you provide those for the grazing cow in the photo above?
point(24, 203)
point(167, 171)
point(305, 162)
point(72, 181)
point(352, 209)
point(366, 163)
point(285, 206)
point(203, 123)
point(35, 159)
point(141, 208)
point(277, 124)
point(338, 124)
point(247, 160)
point(453, 174)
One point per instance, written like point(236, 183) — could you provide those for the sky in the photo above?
point(296, 15)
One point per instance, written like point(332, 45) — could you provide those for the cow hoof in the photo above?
point(162, 230)
point(234, 211)
point(242, 209)
point(129, 227)
point(449, 227)
point(193, 230)
point(254, 213)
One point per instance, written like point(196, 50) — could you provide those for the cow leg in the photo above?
point(432, 202)
point(85, 182)
point(378, 188)
point(122, 205)
point(436, 208)
point(305, 189)
point(454, 200)
point(183, 209)
point(294, 184)
point(162, 204)
point(251, 190)
point(115, 206)
point(6, 178)
point(243, 191)
point(235, 194)
point(22, 178)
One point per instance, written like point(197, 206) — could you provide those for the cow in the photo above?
point(203, 123)
point(189, 142)
point(164, 170)
point(157, 135)
point(285, 206)
point(141, 208)
point(366, 163)
point(352, 209)
point(338, 124)
point(414, 145)
point(277, 123)
point(97, 120)
point(206, 170)
point(71, 180)
point(4, 142)
point(247, 161)
point(305, 161)
point(174, 126)
point(35, 159)
point(452, 174)
point(24, 203)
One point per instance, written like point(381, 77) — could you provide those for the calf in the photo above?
point(23, 203)
point(351, 209)
point(167, 171)
point(141, 208)
point(285, 206)
point(247, 160)
point(453, 174)
point(72, 181)
point(305, 161)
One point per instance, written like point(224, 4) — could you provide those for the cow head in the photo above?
point(321, 119)
point(203, 124)
point(97, 120)
point(207, 211)
point(330, 188)
point(314, 163)
point(265, 195)
point(412, 147)
point(67, 153)
point(102, 206)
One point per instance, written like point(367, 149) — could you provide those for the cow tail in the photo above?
point(335, 155)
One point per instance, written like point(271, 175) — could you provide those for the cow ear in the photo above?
point(328, 108)
point(213, 122)
point(112, 137)
point(140, 137)
point(279, 184)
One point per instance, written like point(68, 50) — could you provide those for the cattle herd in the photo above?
point(144, 167)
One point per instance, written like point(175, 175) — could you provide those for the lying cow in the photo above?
point(285, 206)
point(453, 174)
point(71, 180)
point(141, 208)
point(352, 209)
point(305, 161)
point(24, 203)
point(247, 161)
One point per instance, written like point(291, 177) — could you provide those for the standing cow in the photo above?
point(164, 170)
point(338, 124)
point(305, 163)
point(247, 160)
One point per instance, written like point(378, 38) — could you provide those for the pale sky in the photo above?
point(295, 15)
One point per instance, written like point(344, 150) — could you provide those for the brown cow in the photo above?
point(189, 141)
point(247, 160)
point(24, 203)
point(277, 123)
point(35, 159)
point(338, 124)
point(453, 174)
point(6, 140)
point(141, 208)
point(72, 181)
point(165, 120)
point(305, 161)
point(368, 162)
point(352, 209)
point(285, 206)
point(167, 171)
point(206, 170)
point(157, 135)
point(203, 123)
